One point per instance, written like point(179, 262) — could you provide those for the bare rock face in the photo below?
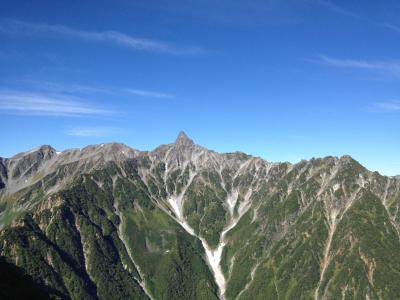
point(27, 163)
point(182, 140)
point(185, 222)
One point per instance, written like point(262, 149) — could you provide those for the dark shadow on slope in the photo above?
point(15, 284)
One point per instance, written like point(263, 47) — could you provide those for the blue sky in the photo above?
point(284, 80)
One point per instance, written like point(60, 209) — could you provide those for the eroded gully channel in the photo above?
point(213, 255)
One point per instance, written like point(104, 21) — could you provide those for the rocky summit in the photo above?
point(185, 222)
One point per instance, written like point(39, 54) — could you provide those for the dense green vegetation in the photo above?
point(75, 249)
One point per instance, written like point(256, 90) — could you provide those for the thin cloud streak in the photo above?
point(145, 93)
point(337, 9)
point(390, 106)
point(391, 26)
point(47, 105)
point(87, 89)
point(342, 11)
point(92, 131)
point(391, 68)
point(55, 87)
point(115, 37)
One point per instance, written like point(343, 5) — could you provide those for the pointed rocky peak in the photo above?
point(347, 160)
point(29, 162)
point(39, 151)
point(45, 152)
point(46, 148)
point(182, 150)
point(183, 140)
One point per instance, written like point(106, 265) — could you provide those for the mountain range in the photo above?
point(184, 222)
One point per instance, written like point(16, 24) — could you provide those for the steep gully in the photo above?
point(213, 255)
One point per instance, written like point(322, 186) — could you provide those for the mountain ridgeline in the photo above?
point(184, 222)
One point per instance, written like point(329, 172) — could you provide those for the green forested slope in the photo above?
point(183, 222)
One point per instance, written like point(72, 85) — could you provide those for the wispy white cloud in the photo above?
point(387, 106)
point(345, 12)
point(86, 131)
point(115, 37)
point(337, 9)
point(56, 87)
point(47, 105)
point(388, 68)
point(391, 26)
point(72, 88)
point(145, 93)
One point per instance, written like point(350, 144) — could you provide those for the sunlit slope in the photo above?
point(184, 222)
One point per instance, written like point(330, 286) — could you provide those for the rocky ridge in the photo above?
point(228, 226)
